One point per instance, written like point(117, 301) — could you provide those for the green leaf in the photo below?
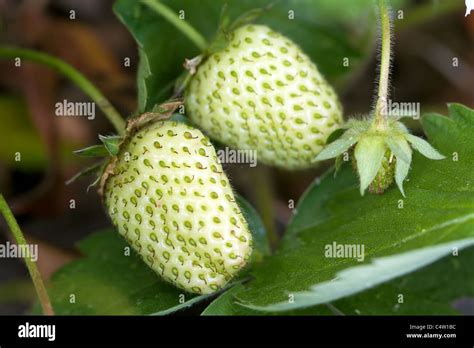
point(429, 291)
point(326, 31)
point(225, 305)
point(184, 305)
point(197, 299)
point(111, 279)
point(439, 209)
point(460, 113)
point(355, 279)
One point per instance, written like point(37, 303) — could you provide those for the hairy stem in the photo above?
point(189, 31)
point(30, 264)
point(384, 79)
point(74, 75)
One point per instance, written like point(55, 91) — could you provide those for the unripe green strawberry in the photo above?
point(169, 197)
point(385, 175)
point(263, 93)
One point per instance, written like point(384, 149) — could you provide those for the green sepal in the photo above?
point(336, 148)
point(369, 153)
point(402, 168)
point(111, 143)
point(335, 135)
point(423, 147)
point(88, 171)
point(400, 148)
point(181, 83)
point(99, 173)
point(248, 17)
point(92, 151)
point(227, 27)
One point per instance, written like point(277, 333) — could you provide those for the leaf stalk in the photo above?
point(74, 75)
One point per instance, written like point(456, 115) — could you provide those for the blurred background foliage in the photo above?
point(430, 34)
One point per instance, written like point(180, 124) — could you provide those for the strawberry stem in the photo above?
point(381, 112)
point(188, 30)
point(30, 264)
point(264, 196)
point(74, 75)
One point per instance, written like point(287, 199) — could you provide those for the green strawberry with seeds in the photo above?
point(263, 93)
point(168, 196)
point(385, 175)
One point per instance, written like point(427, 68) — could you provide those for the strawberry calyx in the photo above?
point(111, 144)
point(380, 156)
point(224, 35)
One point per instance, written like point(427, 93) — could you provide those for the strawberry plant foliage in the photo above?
point(438, 209)
point(434, 290)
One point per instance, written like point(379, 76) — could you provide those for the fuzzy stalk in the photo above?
point(381, 112)
point(30, 264)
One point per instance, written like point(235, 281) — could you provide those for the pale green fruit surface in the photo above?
point(263, 93)
point(169, 197)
